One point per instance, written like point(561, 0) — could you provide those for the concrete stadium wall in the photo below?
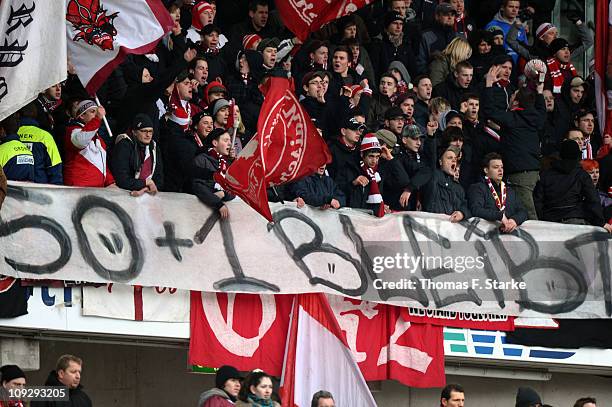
point(139, 376)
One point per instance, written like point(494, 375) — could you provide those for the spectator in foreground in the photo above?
point(324, 398)
point(11, 377)
point(452, 395)
point(67, 373)
point(257, 391)
point(225, 392)
point(527, 397)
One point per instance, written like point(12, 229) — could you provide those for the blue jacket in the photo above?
point(505, 25)
point(47, 160)
point(317, 190)
point(16, 159)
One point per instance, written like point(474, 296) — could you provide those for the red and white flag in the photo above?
point(305, 16)
point(603, 63)
point(287, 147)
point(246, 331)
point(318, 358)
point(101, 33)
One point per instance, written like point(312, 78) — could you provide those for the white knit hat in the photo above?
point(370, 142)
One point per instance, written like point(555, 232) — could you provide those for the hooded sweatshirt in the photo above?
point(214, 398)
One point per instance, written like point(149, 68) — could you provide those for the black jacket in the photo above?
point(520, 140)
point(127, 160)
point(567, 191)
point(203, 185)
point(383, 52)
point(482, 204)
point(78, 397)
point(178, 149)
point(433, 40)
point(318, 190)
point(396, 182)
point(444, 195)
point(419, 174)
point(451, 91)
point(344, 167)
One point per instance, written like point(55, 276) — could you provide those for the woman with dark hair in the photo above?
point(257, 391)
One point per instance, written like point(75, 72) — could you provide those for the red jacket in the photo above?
point(86, 163)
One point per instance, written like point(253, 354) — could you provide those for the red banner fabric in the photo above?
point(250, 331)
point(287, 147)
point(305, 16)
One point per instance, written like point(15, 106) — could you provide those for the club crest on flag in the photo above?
point(91, 23)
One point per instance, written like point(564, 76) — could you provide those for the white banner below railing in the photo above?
point(413, 259)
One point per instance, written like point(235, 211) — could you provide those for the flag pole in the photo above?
point(110, 133)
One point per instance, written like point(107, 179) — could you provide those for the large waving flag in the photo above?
point(303, 17)
point(101, 33)
point(603, 63)
point(318, 358)
point(33, 54)
point(287, 147)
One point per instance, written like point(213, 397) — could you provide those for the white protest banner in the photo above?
point(32, 50)
point(413, 259)
point(137, 303)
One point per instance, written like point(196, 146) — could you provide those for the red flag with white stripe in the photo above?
point(318, 358)
point(603, 63)
point(101, 33)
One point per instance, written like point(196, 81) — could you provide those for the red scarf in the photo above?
point(460, 27)
point(374, 196)
point(221, 158)
point(146, 169)
point(555, 69)
point(180, 113)
point(587, 153)
point(500, 203)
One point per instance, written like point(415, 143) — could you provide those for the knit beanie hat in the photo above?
point(369, 142)
point(224, 374)
point(526, 396)
point(249, 41)
point(196, 11)
point(84, 106)
point(543, 29)
point(219, 104)
point(10, 372)
point(558, 44)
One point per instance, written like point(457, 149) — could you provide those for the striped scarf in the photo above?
point(222, 160)
point(180, 110)
point(555, 69)
point(374, 196)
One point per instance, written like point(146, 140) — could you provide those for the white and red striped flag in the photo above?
point(603, 63)
point(317, 357)
point(101, 33)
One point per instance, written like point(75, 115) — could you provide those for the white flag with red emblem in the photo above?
point(318, 358)
point(32, 51)
point(101, 33)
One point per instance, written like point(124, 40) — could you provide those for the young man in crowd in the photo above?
point(444, 194)
point(215, 160)
point(493, 199)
